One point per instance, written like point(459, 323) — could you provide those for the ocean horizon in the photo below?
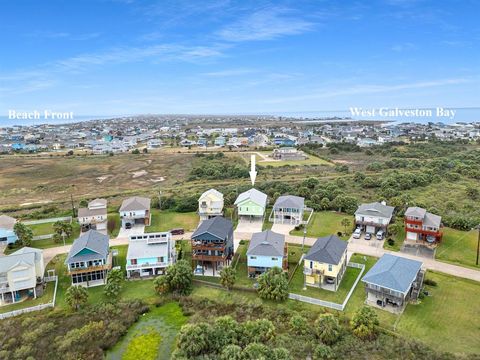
point(465, 115)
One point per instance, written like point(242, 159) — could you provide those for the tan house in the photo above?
point(93, 217)
point(325, 263)
point(210, 204)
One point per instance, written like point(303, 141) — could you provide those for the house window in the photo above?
point(274, 259)
point(330, 267)
point(253, 257)
point(311, 264)
point(133, 261)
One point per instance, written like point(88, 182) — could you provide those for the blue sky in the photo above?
point(110, 57)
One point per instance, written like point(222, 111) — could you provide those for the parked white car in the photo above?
point(357, 233)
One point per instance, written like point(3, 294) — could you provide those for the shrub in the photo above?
point(273, 285)
point(430, 282)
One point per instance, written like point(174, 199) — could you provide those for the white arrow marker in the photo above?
point(253, 172)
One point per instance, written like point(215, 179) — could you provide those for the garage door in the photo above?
point(370, 229)
point(411, 236)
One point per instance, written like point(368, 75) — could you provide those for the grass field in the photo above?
point(325, 223)
point(458, 247)
point(398, 238)
point(168, 220)
point(42, 229)
point(296, 286)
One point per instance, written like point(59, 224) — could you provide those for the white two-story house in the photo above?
point(210, 204)
point(94, 216)
point(373, 217)
point(135, 211)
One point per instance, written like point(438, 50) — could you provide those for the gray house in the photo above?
point(373, 217)
point(392, 282)
point(266, 250)
point(212, 245)
point(135, 211)
point(89, 259)
point(288, 209)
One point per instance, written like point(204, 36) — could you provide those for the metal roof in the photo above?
point(92, 240)
point(253, 194)
point(267, 243)
point(328, 250)
point(290, 201)
point(393, 272)
point(135, 203)
point(375, 209)
point(217, 226)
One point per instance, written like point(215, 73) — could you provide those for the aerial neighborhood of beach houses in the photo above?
point(240, 180)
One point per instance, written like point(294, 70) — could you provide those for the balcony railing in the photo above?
point(147, 265)
point(308, 271)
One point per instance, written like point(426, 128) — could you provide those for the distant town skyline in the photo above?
point(114, 57)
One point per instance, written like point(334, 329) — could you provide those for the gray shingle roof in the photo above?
point(328, 250)
point(266, 243)
point(375, 209)
point(217, 226)
point(86, 212)
point(92, 240)
point(289, 201)
point(393, 272)
point(253, 194)
point(135, 203)
point(415, 212)
point(429, 219)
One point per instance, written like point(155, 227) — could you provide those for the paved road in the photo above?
point(353, 247)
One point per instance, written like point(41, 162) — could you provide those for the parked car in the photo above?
point(330, 280)
point(199, 270)
point(380, 235)
point(357, 233)
point(178, 231)
point(368, 236)
point(128, 226)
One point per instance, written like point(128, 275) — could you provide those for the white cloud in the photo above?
point(230, 72)
point(265, 24)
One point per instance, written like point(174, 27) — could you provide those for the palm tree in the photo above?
point(76, 296)
point(24, 233)
point(227, 277)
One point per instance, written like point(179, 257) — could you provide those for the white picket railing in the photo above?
point(36, 307)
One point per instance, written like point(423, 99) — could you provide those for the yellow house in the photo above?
point(210, 204)
point(325, 263)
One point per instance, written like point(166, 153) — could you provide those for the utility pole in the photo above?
point(304, 235)
point(478, 242)
point(73, 206)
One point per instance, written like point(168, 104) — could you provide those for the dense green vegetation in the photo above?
point(217, 166)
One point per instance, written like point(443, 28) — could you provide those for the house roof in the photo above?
point(86, 212)
point(290, 201)
point(7, 222)
point(253, 194)
point(393, 272)
point(415, 212)
point(375, 209)
point(213, 192)
point(92, 240)
point(217, 226)
point(28, 250)
point(140, 249)
point(25, 255)
point(328, 250)
point(135, 203)
point(266, 243)
point(432, 220)
point(97, 202)
point(429, 219)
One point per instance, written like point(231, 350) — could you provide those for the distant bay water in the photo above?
point(468, 115)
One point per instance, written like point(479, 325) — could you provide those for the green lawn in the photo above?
point(296, 286)
point(458, 247)
point(446, 320)
point(44, 299)
point(398, 238)
point(168, 220)
point(42, 229)
point(325, 223)
point(114, 218)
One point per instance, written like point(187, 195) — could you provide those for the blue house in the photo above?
point(202, 142)
point(18, 146)
point(89, 259)
point(220, 141)
point(150, 254)
point(392, 282)
point(7, 235)
point(266, 250)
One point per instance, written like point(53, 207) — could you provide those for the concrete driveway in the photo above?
point(249, 226)
point(417, 250)
point(373, 242)
point(136, 230)
point(282, 228)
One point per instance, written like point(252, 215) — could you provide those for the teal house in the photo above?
point(251, 205)
point(7, 235)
